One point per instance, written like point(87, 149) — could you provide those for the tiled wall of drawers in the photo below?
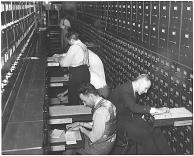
point(146, 37)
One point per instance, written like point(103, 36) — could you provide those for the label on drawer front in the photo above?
point(183, 123)
point(60, 121)
point(56, 84)
point(52, 64)
point(50, 59)
point(58, 148)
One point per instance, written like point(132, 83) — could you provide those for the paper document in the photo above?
point(59, 139)
point(180, 112)
point(78, 135)
point(68, 110)
point(56, 133)
point(70, 137)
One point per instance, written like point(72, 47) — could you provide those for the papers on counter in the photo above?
point(180, 112)
point(56, 133)
point(70, 137)
point(175, 117)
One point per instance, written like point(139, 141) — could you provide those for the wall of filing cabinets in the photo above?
point(18, 24)
point(146, 37)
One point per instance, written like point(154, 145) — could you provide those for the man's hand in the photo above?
point(72, 126)
point(161, 110)
point(56, 55)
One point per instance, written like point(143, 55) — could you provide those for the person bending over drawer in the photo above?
point(97, 75)
point(77, 59)
point(100, 134)
point(129, 115)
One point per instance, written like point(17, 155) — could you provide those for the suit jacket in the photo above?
point(124, 99)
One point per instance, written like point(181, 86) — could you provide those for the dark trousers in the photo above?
point(78, 75)
point(150, 139)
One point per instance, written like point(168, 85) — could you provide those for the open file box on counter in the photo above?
point(176, 117)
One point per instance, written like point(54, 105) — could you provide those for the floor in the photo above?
point(24, 131)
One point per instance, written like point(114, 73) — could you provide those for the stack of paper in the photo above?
point(70, 137)
point(56, 133)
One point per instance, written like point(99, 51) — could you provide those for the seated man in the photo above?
point(100, 134)
point(124, 98)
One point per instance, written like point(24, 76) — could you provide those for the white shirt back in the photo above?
point(97, 75)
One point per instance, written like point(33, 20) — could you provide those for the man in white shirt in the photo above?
point(77, 60)
point(102, 134)
point(97, 75)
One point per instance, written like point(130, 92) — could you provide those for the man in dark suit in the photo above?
point(130, 119)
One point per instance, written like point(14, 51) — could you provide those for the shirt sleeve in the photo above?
point(99, 120)
point(67, 60)
point(130, 102)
